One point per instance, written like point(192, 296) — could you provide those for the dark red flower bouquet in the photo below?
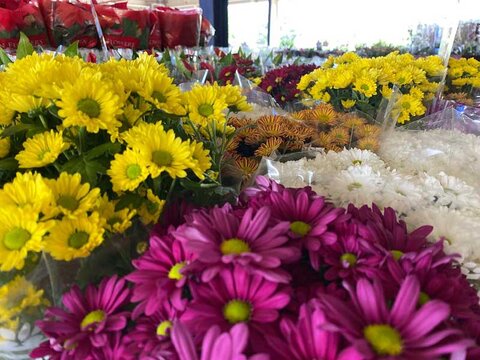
point(21, 16)
point(180, 27)
point(282, 83)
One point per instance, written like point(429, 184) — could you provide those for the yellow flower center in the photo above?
point(152, 207)
point(364, 87)
point(236, 311)
point(68, 202)
point(162, 158)
point(423, 298)
point(175, 271)
point(42, 154)
point(89, 107)
point(397, 254)
point(353, 186)
point(78, 239)
point(113, 220)
point(234, 246)
point(133, 171)
point(141, 247)
point(157, 95)
point(205, 110)
point(93, 317)
point(357, 162)
point(349, 258)
point(16, 238)
point(384, 339)
point(300, 228)
point(163, 327)
point(406, 105)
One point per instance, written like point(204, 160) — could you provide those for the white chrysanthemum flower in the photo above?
point(18, 345)
point(402, 193)
point(355, 157)
point(457, 194)
point(358, 185)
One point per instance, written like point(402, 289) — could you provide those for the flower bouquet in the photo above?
point(463, 80)
point(281, 274)
point(87, 153)
point(349, 79)
point(21, 16)
point(179, 27)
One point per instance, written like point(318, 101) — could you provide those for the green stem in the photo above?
point(81, 139)
point(170, 191)
point(51, 277)
point(43, 120)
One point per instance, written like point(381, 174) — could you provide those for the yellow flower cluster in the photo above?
point(17, 297)
point(463, 76)
point(349, 81)
point(63, 217)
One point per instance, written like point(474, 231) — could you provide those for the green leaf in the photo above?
point(227, 59)
point(110, 148)
point(8, 164)
point(72, 50)
point(25, 47)
point(4, 57)
point(15, 129)
point(131, 200)
point(277, 60)
point(74, 165)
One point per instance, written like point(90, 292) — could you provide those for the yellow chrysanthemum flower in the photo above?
point(28, 191)
point(365, 86)
point(151, 208)
point(342, 79)
point(90, 102)
point(75, 238)
point(27, 103)
point(116, 221)
point(20, 232)
point(164, 152)
point(206, 105)
point(386, 92)
point(146, 62)
point(137, 134)
point(161, 92)
point(16, 296)
point(127, 171)
point(42, 149)
point(131, 114)
point(201, 159)
point(233, 97)
point(347, 104)
point(72, 198)
point(4, 146)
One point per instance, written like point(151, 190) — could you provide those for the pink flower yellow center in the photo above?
point(236, 311)
point(234, 246)
point(78, 239)
point(384, 339)
point(205, 110)
point(163, 327)
point(89, 107)
point(133, 171)
point(68, 202)
point(397, 254)
point(348, 259)
point(162, 158)
point(175, 271)
point(16, 238)
point(300, 228)
point(93, 317)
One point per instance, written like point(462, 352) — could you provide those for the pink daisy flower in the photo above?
point(159, 275)
point(80, 331)
point(150, 338)
point(403, 331)
point(306, 339)
point(221, 237)
point(235, 296)
point(215, 346)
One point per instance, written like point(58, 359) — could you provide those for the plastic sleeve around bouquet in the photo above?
point(155, 37)
point(123, 27)
point(180, 27)
point(21, 16)
point(69, 22)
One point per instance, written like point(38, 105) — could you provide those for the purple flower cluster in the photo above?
point(283, 274)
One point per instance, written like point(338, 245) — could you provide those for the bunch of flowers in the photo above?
point(337, 130)
point(350, 81)
point(283, 274)
point(256, 138)
point(282, 83)
point(356, 176)
point(85, 148)
point(463, 79)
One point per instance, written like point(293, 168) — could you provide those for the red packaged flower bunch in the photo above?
point(21, 16)
point(124, 27)
point(180, 27)
point(68, 22)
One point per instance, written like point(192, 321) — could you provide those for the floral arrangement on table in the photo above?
point(337, 130)
point(282, 274)
point(352, 82)
point(88, 149)
point(463, 80)
point(281, 83)
point(261, 137)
